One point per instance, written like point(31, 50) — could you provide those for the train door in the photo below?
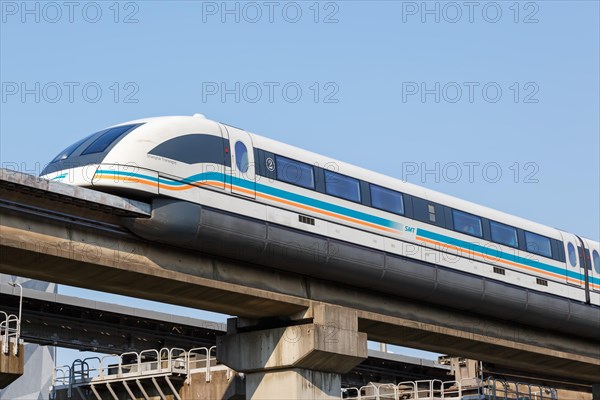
point(593, 252)
point(585, 261)
point(574, 272)
point(243, 176)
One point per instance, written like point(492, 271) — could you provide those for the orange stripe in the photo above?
point(328, 213)
point(495, 259)
point(250, 192)
point(150, 183)
point(316, 210)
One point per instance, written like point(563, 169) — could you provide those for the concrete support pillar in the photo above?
point(465, 371)
point(302, 361)
point(11, 365)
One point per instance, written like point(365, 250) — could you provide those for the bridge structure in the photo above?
point(122, 334)
point(111, 330)
point(294, 336)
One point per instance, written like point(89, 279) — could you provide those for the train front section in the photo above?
point(79, 162)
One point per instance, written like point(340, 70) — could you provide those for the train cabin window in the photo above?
point(467, 223)
point(241, 157)
point(596, 258)
point(538, 244)
point(107, 138)
point(342, 186)
point(504, 234)
point(387, 200)
point(194, 149)
point(572, 254)
point(294, 172)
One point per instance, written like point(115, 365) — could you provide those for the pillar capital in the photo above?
point(302, 360)
point(310, 346)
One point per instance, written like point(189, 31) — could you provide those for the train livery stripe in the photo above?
point(492, 254)
point(319, 206)
point(270, 193)
point(264, 191)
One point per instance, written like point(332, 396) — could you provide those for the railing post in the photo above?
point(16, 344)
point(210, 349)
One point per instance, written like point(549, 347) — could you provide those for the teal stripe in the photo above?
point(312, 202)
point(129, 174)
point(250, 185)
point(492, 252)
point(61, 176)
point(323, 205)
point(194, 179)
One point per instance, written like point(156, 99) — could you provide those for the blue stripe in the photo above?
point(495, 253)
point(61, 176)
point(327, 206)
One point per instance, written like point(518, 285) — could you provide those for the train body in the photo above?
point(225, 191)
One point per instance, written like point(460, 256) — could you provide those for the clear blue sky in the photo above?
point(384, 86)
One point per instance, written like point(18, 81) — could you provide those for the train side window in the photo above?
point(387, 200)
point(538, 244)
point(241, 156)
point(596, 258)
point(572, 254)
point(107, 138)
point(342, 186)
point(467, 223)
point(294, 172)
point(504, 234)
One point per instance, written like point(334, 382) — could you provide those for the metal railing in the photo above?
point(151, 363)
point(202, 358)
point(130, 364)
point(10, 325)
point(490, 389)
point(425, 389)
point(497, 388)
point(10, 330)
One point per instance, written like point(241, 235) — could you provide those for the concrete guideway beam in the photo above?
point(79, 256)
point(296, 362)
point(39, 192)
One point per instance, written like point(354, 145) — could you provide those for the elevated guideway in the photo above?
point(55, 232)
point(107, 328)
point(87, 325)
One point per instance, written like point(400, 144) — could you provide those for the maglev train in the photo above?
point(221, 190)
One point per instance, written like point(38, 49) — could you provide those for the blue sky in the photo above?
point(496, 102)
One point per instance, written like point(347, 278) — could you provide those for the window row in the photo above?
point(338, 185)
point(501, 233)
point(330, 182)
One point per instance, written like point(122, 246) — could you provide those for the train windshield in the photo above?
point(69, 150)
point(89, 150)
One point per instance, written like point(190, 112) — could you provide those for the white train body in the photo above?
point(338, 222)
